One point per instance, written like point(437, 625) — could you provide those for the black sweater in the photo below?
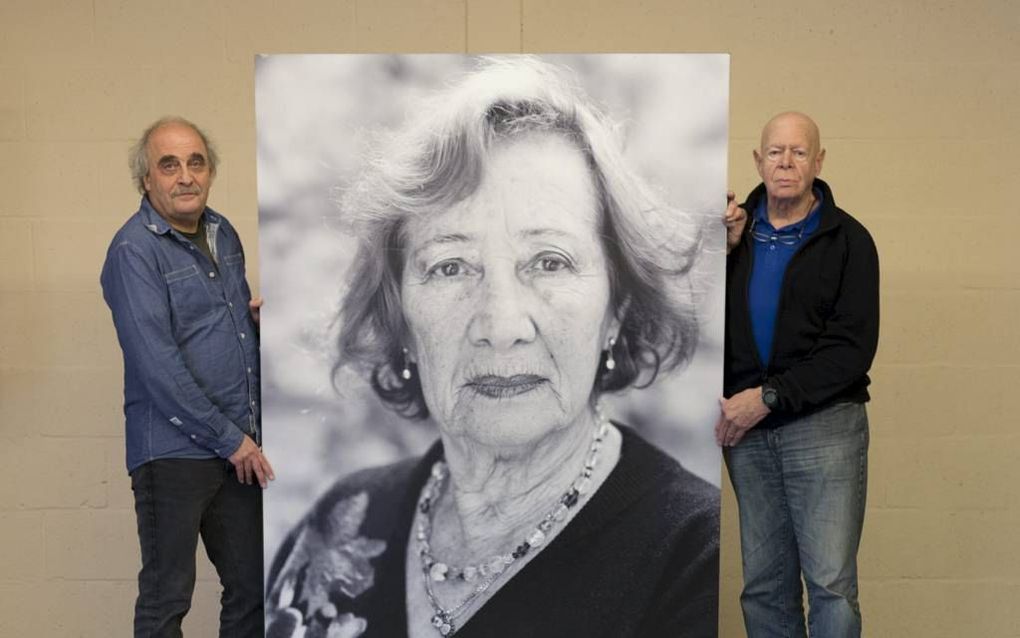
point(640, 559)
point(827, 322)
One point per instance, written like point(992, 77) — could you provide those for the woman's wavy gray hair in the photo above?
point(439, 158)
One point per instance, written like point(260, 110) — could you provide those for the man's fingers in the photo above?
point(721, 424)
point(242, 471)
point(256, 467)
point(735, 215)
point(725, 434)
point(720, 430)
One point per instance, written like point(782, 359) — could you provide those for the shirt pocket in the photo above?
point(234, 264)
point(190, 298)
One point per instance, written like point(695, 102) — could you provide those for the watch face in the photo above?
point(770, 398)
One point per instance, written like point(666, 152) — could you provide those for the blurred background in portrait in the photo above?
point(316, 117)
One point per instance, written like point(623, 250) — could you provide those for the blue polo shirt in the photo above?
point(773, 250)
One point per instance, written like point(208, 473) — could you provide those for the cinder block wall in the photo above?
point(917, 103)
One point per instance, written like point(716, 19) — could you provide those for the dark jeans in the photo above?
point(176, 500)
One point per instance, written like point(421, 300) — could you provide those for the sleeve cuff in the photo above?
point(229, 443)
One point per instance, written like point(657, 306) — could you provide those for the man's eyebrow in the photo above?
point(167, 158)
point(195, 156)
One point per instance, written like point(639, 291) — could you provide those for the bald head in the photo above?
point(789, 160)
point(793, 119)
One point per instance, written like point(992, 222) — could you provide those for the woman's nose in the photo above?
point(502, 318)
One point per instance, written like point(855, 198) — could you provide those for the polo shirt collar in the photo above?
point(762, 217)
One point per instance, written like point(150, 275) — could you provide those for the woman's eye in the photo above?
point(552, 263)
point(447, 269)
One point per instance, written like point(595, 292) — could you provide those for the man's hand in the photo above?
point(735, 219)
point(255, 306)
point(740, 413)
point(250, 463)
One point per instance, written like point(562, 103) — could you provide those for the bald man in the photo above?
point(801, 333)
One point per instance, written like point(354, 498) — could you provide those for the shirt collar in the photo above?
point(155, 222)
point(762, 218)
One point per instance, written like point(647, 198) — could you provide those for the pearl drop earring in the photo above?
point(610, 361)
point(405, 374)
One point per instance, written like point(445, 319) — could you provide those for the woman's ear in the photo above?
point(407, 342)
point(619, 314)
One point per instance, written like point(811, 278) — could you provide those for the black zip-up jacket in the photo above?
point(827, 323)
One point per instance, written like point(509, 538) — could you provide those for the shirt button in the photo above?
point(253, 404)
point(192, 437)
point(242, 335)
point(230, 304)
point(249, 370)
point(212, 275)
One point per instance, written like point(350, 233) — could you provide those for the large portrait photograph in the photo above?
point(492, 343)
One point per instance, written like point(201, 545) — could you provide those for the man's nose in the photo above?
point(786, 159)
point(502, 318)
point(185, 176)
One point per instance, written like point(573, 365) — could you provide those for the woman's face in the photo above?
point(506, 295)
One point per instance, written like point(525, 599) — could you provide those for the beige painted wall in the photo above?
point(917, 102)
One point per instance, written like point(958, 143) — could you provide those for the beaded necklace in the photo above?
point(488, 572)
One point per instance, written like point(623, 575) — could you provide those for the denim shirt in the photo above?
point(191, 353)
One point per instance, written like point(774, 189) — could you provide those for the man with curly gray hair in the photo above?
point(188, 327)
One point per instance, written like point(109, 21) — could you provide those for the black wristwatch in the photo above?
point(769, 396)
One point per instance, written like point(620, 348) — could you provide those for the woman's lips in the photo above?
point(500, 387)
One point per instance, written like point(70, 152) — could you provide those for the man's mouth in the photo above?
point(500, 387)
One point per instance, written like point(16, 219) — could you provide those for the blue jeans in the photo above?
point(176, 500)
point(801, 492)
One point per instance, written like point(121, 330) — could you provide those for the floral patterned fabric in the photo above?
point(330, 560)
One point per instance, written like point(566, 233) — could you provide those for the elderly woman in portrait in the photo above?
point(510, 272)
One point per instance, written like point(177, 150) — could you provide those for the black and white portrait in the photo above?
point(492, 343)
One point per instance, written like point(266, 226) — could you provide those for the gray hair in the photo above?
point(438, 159)
point(138, 158)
